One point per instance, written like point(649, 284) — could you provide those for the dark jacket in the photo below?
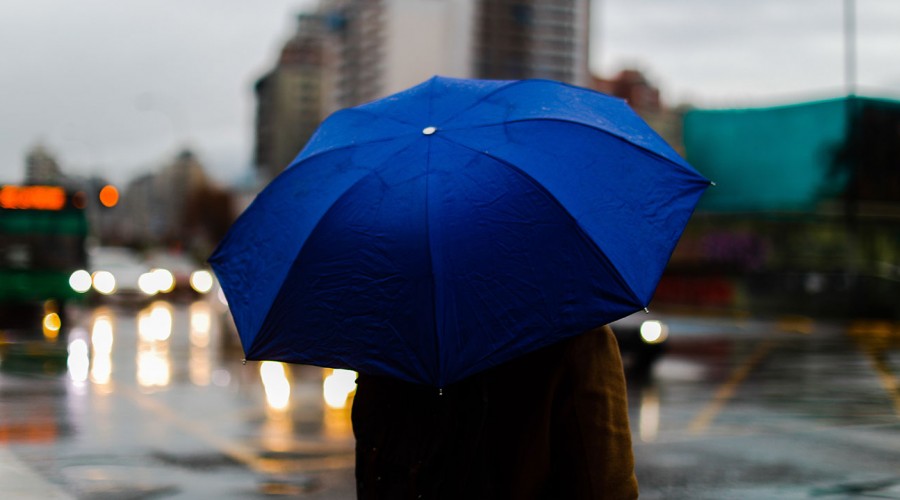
point(552, 424)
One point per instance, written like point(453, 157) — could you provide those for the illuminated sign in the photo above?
point(32, 197)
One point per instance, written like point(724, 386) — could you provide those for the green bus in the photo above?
point(42, 243)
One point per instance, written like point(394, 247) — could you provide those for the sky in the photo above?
point(117, 87)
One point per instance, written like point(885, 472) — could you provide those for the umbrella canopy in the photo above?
point(455, 225)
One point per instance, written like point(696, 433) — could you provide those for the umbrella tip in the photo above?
point(647, 310)
point(713, 183)
point(244, 361)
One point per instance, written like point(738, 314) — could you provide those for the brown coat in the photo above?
point(552, 424)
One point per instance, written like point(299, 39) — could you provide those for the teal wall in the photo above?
point(767, 159)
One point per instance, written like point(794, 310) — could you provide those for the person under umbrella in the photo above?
point(552, 424)
point(456, 240)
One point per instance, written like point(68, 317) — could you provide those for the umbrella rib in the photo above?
point(372, 171)
point(377, 116)
point(348, 146)
point(484, 98)
point(434, 308)
point(515, 83)
point(571, 122)
point(412, 131)
point(616, 274)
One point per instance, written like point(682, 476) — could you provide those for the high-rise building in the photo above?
point(356, 34)
point(292, 98)
point(644, 98)
point(353, 51)
point(532, 39)
point(421, 39)
point(41, 167)
point(153, 206)
point(631, 84)
point(388, 45)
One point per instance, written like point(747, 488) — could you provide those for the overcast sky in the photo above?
point(117, 87)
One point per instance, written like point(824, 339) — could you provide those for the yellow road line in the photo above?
point(875, 338)
point(244, 454)
point(886, 377)
point(241, 453)
point(727, 390)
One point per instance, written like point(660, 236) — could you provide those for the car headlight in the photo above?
point(654, 332)
point(202, 281)
point(80, 281)
point(158, 280)
point(104, 282)
point(164, 279)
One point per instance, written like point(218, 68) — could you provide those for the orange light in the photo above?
point(79, 200)
point(32, 197)
point(109, 196)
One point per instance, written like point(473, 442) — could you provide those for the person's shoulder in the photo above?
point(593, 338)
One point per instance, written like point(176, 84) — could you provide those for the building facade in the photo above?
point(533, 39)
point(154, 205)
point(41, 167)
point(292, 98)
point(353, 51)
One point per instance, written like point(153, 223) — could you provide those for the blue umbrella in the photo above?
point(453, 226)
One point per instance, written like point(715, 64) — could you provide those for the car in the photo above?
point(177, 273)
point(643, 338)
point(117, 272)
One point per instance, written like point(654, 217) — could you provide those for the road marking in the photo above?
point(241, 453)
point(244, 454)
point(886, 377)
point(726, 391)
point(874, 338)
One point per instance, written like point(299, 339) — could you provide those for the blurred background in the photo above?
point(132, 134)
point(791, 109)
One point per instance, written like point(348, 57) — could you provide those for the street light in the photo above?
point(850, 46)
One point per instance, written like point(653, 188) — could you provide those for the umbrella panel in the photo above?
point(633, 203)
point(442, 267)
point(535, 211)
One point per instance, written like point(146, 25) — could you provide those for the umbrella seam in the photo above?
point(616, 274)
point(256, 340)
point(603, 131)
point(432, 277)
point(301, 158)
point(316, 154)
point(375, 115)
point(481, 99)
point(515, 83)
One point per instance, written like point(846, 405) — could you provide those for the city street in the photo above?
point(155, 402)
point(429, 191)
point(748, 409)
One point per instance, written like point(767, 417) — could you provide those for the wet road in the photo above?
point(785, 409)
point(154, 402)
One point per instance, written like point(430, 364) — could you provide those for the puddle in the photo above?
point(195, 461)
point(857, 488)
point(289, 487)
point(101, 482)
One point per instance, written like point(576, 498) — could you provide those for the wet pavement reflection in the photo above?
point(154, 401)
point(771, 409)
